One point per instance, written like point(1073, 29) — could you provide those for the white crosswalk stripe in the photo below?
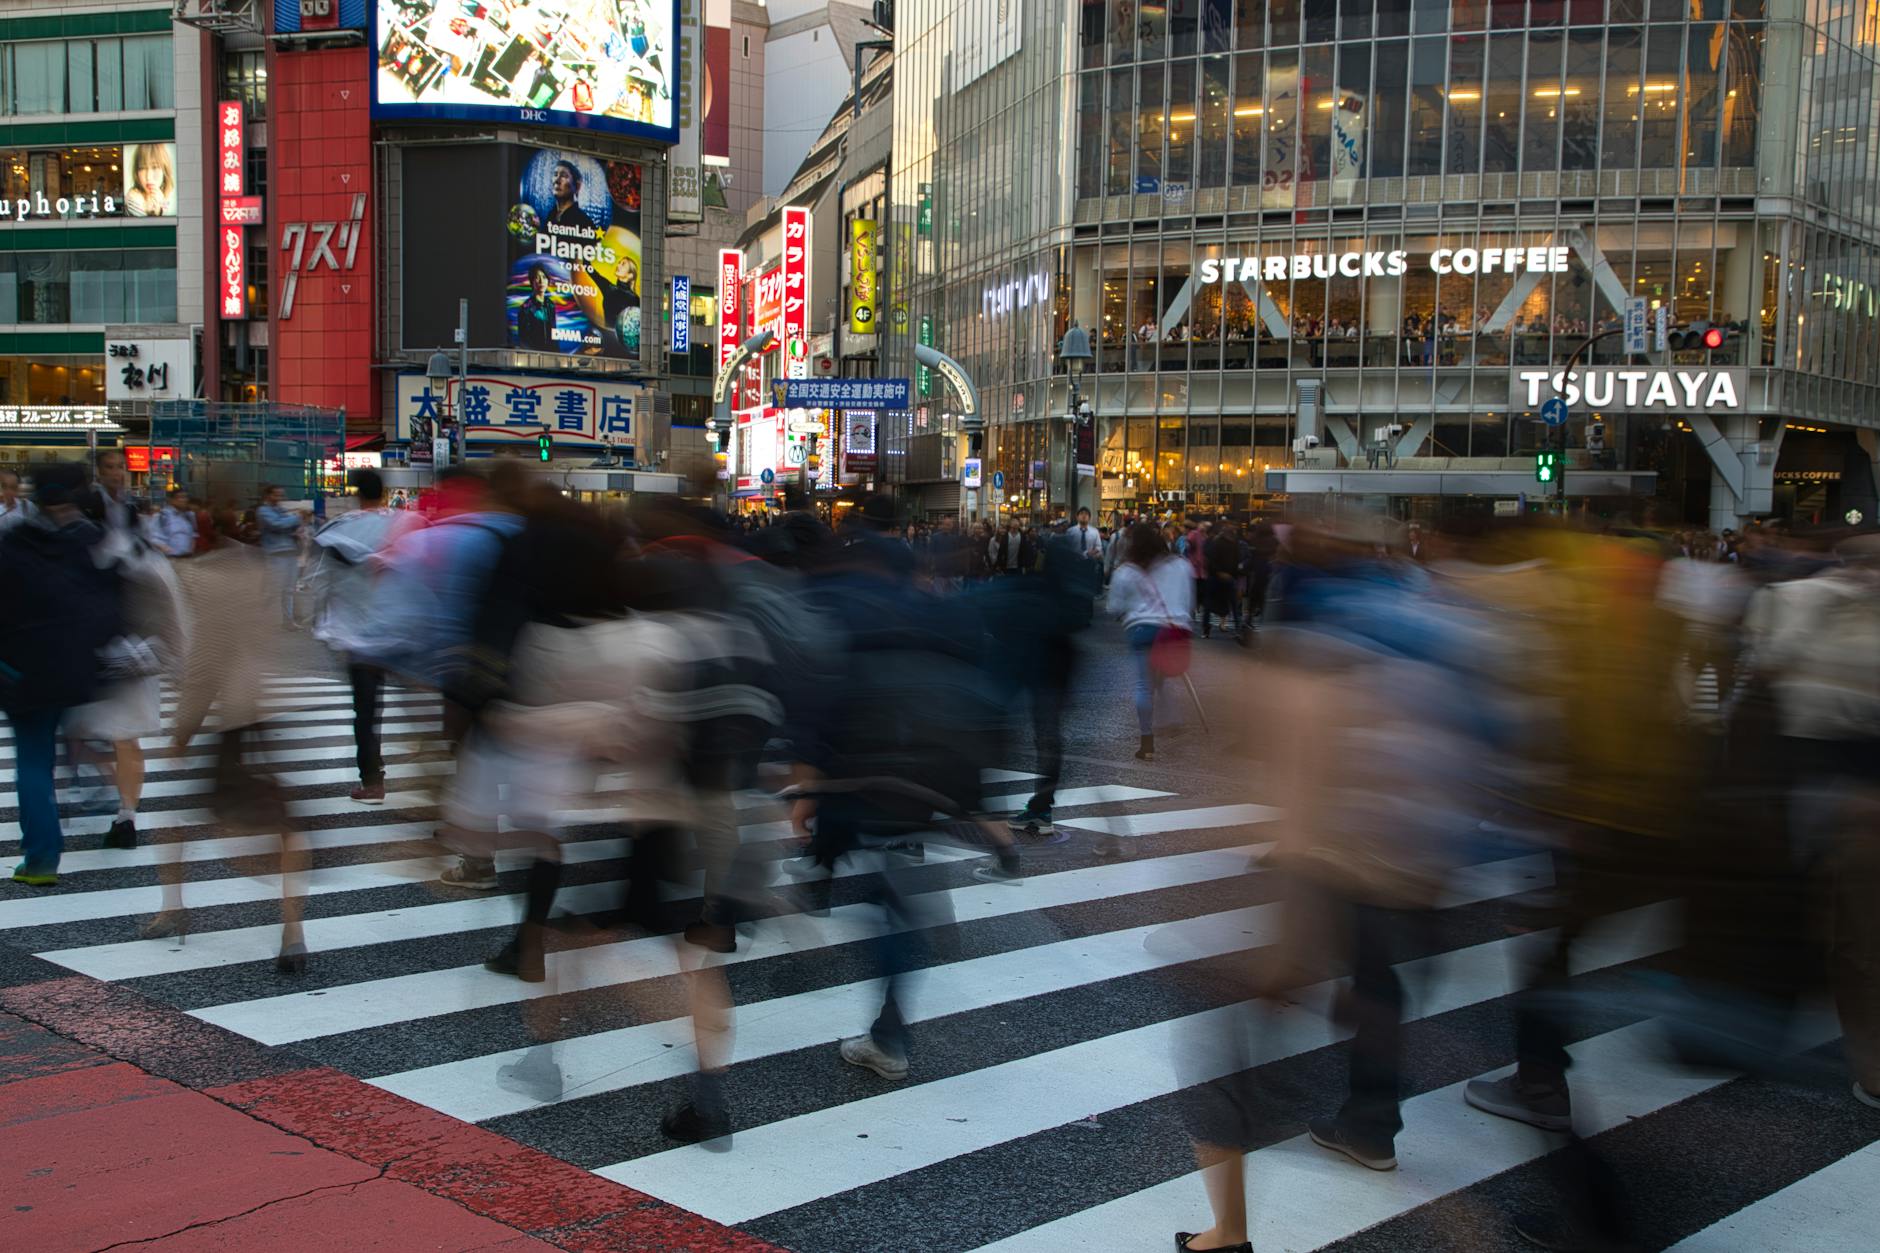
point(1097, 988)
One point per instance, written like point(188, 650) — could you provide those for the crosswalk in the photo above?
point(1059, 1025)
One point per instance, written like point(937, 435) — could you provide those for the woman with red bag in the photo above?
point(1153, 593)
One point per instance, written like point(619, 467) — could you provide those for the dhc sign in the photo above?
point(1639, 391)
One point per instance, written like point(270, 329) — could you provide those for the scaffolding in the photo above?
point(226, 451)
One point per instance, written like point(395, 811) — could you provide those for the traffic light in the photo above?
point(1699, 335)
point(544, 446)
point(1546, 466)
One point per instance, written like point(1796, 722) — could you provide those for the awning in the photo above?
point(365, 443)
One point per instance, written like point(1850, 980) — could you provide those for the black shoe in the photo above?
point(1183, 1237)
point(123, 834)
point(525, 962)
point(292, 960)
point(688, 1126)
point(1327, 1134)
point(715, 937)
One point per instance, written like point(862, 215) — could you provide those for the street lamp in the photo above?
point(1074, 351)
point(437, 373)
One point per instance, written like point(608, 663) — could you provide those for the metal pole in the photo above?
point(1070, 454)
point(1560, 475)
point(463, 375)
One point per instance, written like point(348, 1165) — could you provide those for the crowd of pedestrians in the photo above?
point(1689, 718)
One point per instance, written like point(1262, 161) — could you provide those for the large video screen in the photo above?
point(574, 272)
point(597, 64)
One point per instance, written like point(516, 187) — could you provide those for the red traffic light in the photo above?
point(1713, 337)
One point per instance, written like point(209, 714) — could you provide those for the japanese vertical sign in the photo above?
point(234, 271)
point(796, 292)
point(862, 292)
point(681, 314)
point(730, 304)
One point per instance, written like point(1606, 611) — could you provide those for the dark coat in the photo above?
point(56, 611)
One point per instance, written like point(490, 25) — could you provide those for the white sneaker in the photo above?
point(864, 1052)
point(1865, 1097)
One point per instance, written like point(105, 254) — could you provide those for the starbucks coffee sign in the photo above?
point(1620, 390)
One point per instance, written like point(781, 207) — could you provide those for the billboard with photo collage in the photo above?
point(596, 64)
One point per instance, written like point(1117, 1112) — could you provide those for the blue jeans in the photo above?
point(1140, 637)
point(35, 750)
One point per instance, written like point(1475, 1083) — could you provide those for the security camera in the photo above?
point(1395, 428)
point(1310, 441)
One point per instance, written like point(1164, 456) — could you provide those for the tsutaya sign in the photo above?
point(1383, 264)
point(1651, 391)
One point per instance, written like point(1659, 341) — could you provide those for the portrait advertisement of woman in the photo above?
point(150, 180)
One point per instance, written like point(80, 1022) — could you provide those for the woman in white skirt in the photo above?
point(130, 700)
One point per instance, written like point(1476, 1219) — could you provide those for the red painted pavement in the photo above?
point(106, 1154)
point(229, 1108)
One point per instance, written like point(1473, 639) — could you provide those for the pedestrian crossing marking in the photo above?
point(1302, 1196)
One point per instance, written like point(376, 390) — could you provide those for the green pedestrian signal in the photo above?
point(1546, 466)
point(544, 445)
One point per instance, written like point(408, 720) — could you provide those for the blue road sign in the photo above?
point(998, 479)
point(768, 476)
point(1554, 411)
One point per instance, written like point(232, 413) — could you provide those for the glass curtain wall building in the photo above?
point(1398, 204)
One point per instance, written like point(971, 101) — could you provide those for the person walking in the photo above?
point(176, 525)
point(344, 574)
point(1153, 593)
point(14, 508)
point(129, 701)
point(61, 607)
point(1221, 558)
point(1086, 540)
point(1194, 550)
point(280, 543)
point(1006, 553)
point(1037, 638)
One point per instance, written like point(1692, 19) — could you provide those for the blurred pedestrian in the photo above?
point(1153, 593)
point(344, 579)
point(176, 528)
point(59, 608)
point(128, 705)
point(1221, 559)
point(232, 607)
point(280, 542)
point(14, 507)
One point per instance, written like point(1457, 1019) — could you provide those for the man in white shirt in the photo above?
point(176, 526)
point(1088, 539)
point(14, 508)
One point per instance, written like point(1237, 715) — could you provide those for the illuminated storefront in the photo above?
point(1287, 219)
point(96, 221)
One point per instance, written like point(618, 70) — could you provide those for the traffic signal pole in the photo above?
point(1573, 362)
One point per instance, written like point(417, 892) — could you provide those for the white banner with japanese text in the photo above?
point(505, 408)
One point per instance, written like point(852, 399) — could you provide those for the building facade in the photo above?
point(101, 222)
point(1382, 227)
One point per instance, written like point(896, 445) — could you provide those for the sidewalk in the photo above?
point(124, 1123)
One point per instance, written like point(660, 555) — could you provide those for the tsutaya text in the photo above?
point(1382, 264)
point(1665, 391)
